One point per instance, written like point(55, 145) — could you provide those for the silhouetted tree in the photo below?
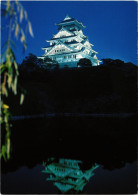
point(66, 66)
point(84, 62)
point(31, 62)
point(109, 61)
point(48, 63)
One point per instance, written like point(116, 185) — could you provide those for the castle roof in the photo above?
point(63, 37)
point(72, 42)
point(68, 20)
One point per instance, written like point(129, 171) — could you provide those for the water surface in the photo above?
point(110, 143)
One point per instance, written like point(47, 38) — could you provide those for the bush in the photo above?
point(84, 62)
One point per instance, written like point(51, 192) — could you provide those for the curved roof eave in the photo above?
point(58, 44)
point(60, 38)
point(72, 21)
point(94, 51)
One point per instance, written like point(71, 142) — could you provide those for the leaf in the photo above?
point(9, 81)
point(21, 98)
point(17, 4)
point(24, 46)
point(16, 67)
point(8, 63)
point(1, 120)
point(3, 151)
point(5, 106)
point(14, 85)
point(11, 53)
point(25, 13)
point(4, 90)
point(22, 37)
point(8, 148)
point(21, 14)
point(17, 30)
point(8, 5)
point(2, 68)
point(30, 29)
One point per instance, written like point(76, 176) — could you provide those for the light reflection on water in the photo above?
point(111, 143)
point(33, 181)
point(67, 175)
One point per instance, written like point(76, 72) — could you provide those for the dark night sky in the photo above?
point(110, 26)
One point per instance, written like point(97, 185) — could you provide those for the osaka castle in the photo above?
point(70, 45)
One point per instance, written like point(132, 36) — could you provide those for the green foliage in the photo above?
point(14, 13)
point(5, 148)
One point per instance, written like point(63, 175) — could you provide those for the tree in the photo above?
point(31, 63)
point(12, 14)
point(84, 62)
point(109, 61)
point(50, 64)
point(66, 66)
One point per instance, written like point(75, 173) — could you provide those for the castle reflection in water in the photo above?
point(67, 175)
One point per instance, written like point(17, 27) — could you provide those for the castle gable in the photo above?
point(63, 33)
point(87, 44)
point(60, 47)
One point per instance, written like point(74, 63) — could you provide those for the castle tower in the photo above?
point(69, 45)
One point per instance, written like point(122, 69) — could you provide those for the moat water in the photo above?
point(110, 143)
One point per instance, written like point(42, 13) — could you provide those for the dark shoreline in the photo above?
point(105, 115)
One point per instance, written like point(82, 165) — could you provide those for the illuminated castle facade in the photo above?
point(69, 45)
